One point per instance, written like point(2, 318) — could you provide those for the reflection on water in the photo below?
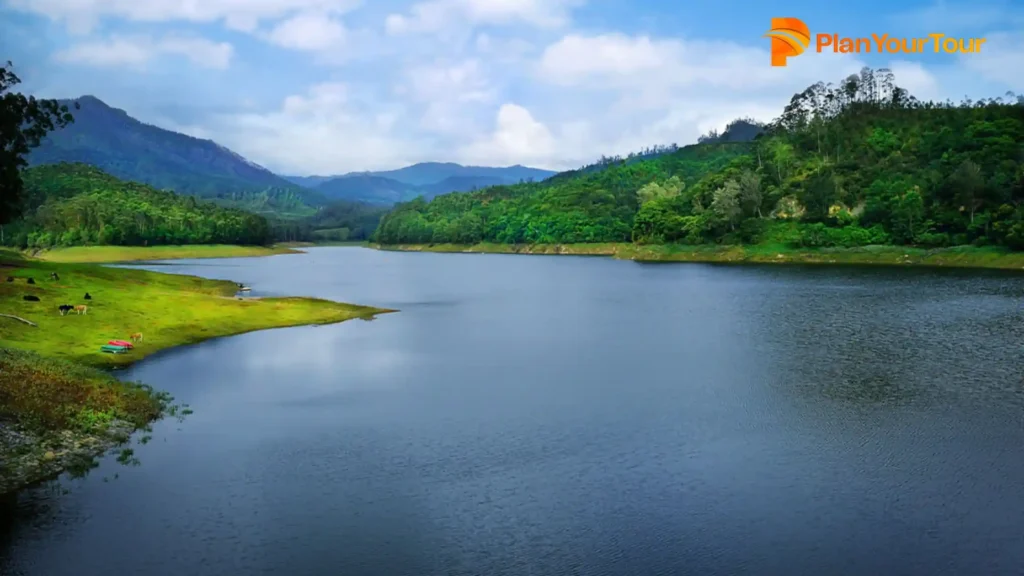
point(529, 415)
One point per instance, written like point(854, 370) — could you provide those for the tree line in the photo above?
point(76, 204)
point(856, 163)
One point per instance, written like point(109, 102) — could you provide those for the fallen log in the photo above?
point(19, 318)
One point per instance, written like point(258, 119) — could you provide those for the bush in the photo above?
point(821, 236)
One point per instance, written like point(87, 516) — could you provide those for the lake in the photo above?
point(532, 415)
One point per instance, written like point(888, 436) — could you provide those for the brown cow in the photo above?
point(137, 337)
point(81, 308)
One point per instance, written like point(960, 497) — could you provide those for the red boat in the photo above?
point(121, 343)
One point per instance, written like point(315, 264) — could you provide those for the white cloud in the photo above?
point(1001, 60)
point(309, 31)
point(137, 51)
point(517, 138)
point(237, 14)
point(327, 130)
point(642, 63)
point(437, 15)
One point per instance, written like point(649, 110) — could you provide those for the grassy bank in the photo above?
point(54, 396)
point(962, 256)
point(98, 254)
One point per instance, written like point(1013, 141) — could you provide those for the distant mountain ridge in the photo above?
point(111, 140)
point(428, 179)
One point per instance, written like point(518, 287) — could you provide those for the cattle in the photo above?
point(10, 278)
point(65, 308)
point(137, 337)
point(87, 297)
point(30, 298)
point(81, 309)
point(54, 276)
point(31, 281)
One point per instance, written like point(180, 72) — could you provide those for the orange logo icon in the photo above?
point(790, 37)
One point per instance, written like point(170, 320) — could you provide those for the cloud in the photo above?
point(437, 15)
point(640, 63)
point(308, 31)
point(241, 15)
point(329, 129)
point(517, 138)
point(137, 51)
point(1001, 60)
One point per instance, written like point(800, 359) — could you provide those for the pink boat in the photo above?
point(121, 343)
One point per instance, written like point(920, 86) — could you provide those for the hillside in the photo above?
point(427, 179)
point(861, 163)
point(122, 146)
point(73, 204)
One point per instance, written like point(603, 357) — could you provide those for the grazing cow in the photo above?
point(30, 298)
point(87, 297)
point(137, 337)
point(65, 308)
point(31, 281)
point(10, 278)
point(54, 276)
point(81, 308)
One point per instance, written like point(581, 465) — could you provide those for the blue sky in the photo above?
point(329, 86)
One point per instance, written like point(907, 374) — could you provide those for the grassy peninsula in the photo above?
point(107, 254)
point(859, 171)
point(58, 404)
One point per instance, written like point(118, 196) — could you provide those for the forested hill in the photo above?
point(120, 145)
point(73, 204)
point(858, 163)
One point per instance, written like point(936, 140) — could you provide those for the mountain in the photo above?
point(428, 179)
point(861, 163)
point(113, 141)
point(74, 204)
point(426, 173)
point(367, 188)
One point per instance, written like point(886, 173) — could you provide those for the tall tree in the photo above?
point(24, 121)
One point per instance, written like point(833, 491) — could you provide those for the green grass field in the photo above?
point(49, 375)
point(98, 254)
point(960, 257)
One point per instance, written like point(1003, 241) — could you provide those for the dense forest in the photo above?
point(72, 204)
point(338, 222)
point(858, 163)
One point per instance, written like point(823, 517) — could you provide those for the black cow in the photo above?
point(31, 281)
point(54, 276)
point(65, 308)
point(10, 278)
point(87, 297)
point(30, 298)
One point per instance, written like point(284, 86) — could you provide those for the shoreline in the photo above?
point(956, 257)
point(55, 367)
point(123, 254)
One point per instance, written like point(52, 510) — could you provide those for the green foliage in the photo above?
point(24, 121)
point(75, 204)
point(53, 394)
point(854, 164)
point(582, 206)
point(336, 222)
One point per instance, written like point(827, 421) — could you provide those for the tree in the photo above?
point(726, 203)
point(24, 120)
point(968, 181)
point(751, 195)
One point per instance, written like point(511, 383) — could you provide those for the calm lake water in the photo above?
point(565, 415)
